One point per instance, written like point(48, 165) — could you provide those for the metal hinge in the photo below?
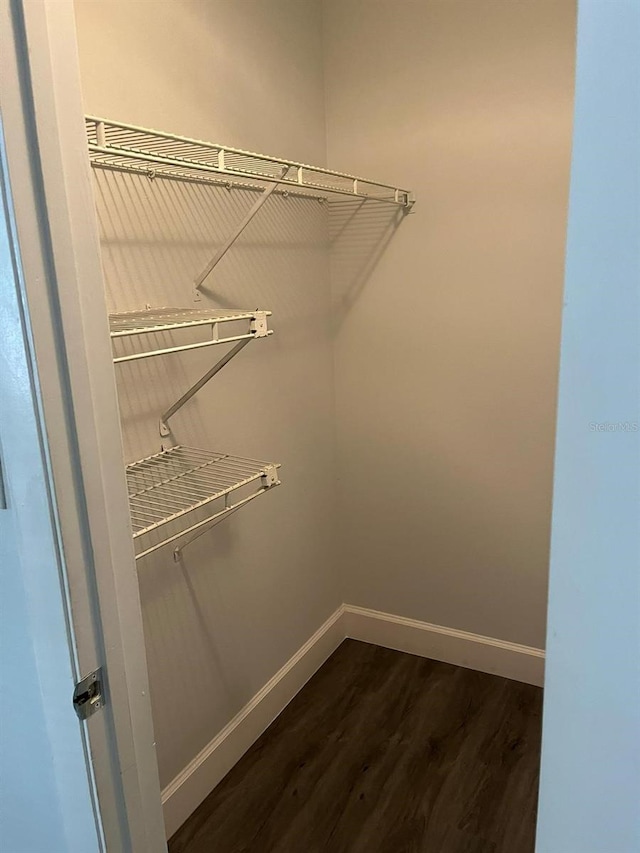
point(88, 696)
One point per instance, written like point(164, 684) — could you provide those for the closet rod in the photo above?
point(205, 180)
point(202, 526)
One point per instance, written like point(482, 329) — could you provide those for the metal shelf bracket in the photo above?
point(268, 479)
point(217, 367)
point(231, 239)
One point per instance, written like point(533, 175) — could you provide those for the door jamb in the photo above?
point(63, 295)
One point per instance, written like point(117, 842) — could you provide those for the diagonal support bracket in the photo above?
point(217, 367)
point(268, 480)
point(231, 239)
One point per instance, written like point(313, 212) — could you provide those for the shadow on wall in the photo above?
point(157, 236)
point(359, 232)
point(203, 616)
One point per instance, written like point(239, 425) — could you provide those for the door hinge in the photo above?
point(88, 696)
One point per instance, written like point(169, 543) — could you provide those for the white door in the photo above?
point(590, 780)
point(47, 797)
point(70, 604)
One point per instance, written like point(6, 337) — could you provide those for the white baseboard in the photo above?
point(185, 793)
point(486, 654)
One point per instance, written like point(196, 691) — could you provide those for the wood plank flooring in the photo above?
point(383, 752)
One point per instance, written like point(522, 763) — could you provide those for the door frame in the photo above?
point(42, 746)
point(62, 294)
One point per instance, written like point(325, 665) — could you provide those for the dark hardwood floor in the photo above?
point(383, 752)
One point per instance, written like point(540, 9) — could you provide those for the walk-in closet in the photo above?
point(310, 265)
point(360, 326)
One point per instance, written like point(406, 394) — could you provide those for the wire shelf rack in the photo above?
point(226, 327)
point(182, 491)
point(125, 147)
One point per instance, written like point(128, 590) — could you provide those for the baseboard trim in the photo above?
point(474, 651)
point(190, 787)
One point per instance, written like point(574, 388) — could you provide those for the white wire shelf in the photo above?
point(226, 327)
point(125, 147)
point(183, 491)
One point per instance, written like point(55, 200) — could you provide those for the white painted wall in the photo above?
point(447, 354)
point(445, 344)
point(590, 786)
point(245, 73)
point(250, 594)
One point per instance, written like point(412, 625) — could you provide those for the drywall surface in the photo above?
point(248, 74)
point(245, 597)
point(590, 787)
point(446, 350)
